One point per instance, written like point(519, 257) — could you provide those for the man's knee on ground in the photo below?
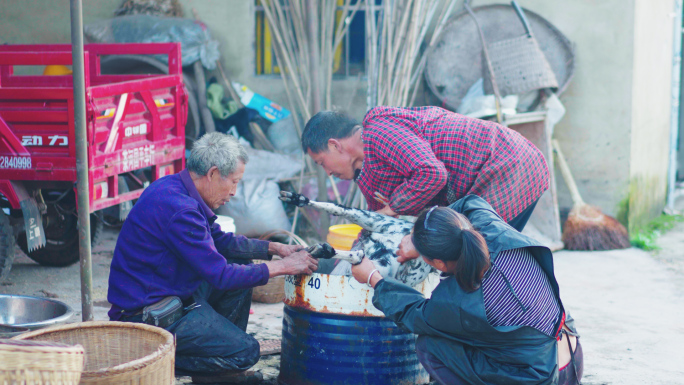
point(249, 356)
point(221, 363)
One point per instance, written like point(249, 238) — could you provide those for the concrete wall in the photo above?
point(616, 130)
point(651, 97)
point(231, 22)
point(46, 22)
point(614, 133)
point(595, 132)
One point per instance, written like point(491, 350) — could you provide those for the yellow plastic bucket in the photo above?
point(342, 237)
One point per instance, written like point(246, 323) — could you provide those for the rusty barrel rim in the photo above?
point(339, 294)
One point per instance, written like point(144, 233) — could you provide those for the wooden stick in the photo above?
point(370, 101)
point(384, 63)
point(283, 29)
point(402, 28)
point(567, 175)
point(328, 58)
point(298, 35)
point(435, 35)
point(293, 45)
point(342, 30)
point(299, 190)
point(288, 62)
point(229, 85)
point(410, 58)
point(383, 45)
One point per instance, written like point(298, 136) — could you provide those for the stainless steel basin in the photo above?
point(32, 312)
point(9, 331)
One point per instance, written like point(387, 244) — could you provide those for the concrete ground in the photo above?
point(628, 306)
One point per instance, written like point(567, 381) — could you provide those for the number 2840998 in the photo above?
point(15, 162)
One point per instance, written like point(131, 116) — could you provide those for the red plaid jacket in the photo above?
point(414, 156)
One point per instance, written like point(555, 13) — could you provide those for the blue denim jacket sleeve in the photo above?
point(190, 240)
point(409, 308)
point(235, 246)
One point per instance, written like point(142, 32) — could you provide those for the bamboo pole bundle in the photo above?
point(306, 35)
point(397, 41)
point(288, 20)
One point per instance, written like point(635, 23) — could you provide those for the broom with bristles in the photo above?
point(587, 228)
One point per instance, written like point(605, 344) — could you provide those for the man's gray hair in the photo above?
point(216, 149)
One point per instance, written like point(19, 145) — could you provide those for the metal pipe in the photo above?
point(82, 192)
point(316, 103)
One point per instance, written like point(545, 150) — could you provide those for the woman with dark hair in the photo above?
point(496, 317)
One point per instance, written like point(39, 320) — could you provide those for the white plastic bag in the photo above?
point(255, 207)
point(478, 105)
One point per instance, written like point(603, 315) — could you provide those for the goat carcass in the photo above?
point(379, 240)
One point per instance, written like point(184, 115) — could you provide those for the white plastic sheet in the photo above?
point(255, 207)
point(196, 42)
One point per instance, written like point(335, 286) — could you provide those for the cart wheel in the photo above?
point(7, 243)
point(61, 234)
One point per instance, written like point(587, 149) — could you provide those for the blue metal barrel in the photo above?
point(334, 349)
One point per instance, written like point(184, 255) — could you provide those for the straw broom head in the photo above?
point(587, 228)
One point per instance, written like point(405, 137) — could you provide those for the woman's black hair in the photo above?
point(442, 233)
point(327, 125)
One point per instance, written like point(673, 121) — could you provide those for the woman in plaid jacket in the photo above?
point(405, 159)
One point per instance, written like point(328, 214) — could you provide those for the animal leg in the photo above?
point(354, 257)
point(344, 268)
point(369, 220)
point(325, 251)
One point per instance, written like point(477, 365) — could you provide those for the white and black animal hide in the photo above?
point(379, 240)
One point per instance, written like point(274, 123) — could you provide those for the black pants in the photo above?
point(437, 370)
point(211, 339)
point(571, 374)
point(521, 219)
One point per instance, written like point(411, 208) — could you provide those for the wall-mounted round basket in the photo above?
point(117, 352)
point(40, 362)
point(455, 62)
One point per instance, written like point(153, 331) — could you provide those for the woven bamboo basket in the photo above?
point(117, 352)
point(273, 291)
point(39, 362)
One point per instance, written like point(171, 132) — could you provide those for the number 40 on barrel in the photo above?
point(314, 283)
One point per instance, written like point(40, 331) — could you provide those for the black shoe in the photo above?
point(246, 377)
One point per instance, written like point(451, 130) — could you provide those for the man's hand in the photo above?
point(387, 211)
point(275, 248)
point(296, 263)
point(384, 201)
point(406, 250)
point(363, 269)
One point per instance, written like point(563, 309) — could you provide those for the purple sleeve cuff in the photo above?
point(261, 250)
point(265, 273)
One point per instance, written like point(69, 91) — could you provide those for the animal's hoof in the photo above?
point(321, 251)
point(294, 198)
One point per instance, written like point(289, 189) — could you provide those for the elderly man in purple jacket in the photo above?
point(170, 246)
